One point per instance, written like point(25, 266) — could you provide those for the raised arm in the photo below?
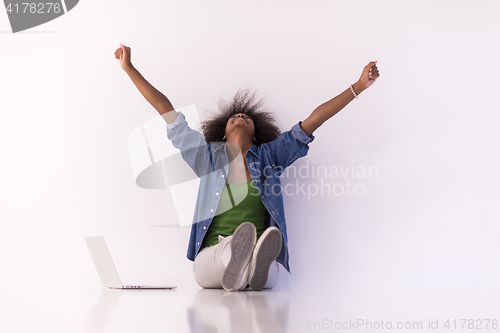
point(328, 109)
point(150, 93)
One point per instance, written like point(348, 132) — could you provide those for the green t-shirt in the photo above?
point(238, 203)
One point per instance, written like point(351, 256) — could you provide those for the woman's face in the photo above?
point(240, 122)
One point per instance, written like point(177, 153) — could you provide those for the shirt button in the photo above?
point(211, 210)
point(198, 243)
point(216, 193)
point(204, 227)
point(222, 176)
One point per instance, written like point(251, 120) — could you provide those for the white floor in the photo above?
point(283, 309)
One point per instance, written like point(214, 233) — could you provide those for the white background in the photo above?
point(426, 231)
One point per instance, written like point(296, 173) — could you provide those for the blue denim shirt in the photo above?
point(265, 163)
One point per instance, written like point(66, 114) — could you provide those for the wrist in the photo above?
point(128, 68)
point(358, 87)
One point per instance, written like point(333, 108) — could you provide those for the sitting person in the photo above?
point(239, 233)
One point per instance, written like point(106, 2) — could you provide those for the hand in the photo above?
point(123, 54)
point(369, 75)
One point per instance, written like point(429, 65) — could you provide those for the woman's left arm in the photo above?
point(328, 109)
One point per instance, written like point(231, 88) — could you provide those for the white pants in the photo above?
point(210, 263)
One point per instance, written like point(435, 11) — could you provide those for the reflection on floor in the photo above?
point(286, 308)
point(194, 311)
point(248, 311)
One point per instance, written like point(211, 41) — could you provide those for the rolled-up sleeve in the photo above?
point(172, 127)
point(300, 135)
point(191, 143)
point(288, 147)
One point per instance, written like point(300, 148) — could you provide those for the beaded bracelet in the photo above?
point(352, 89)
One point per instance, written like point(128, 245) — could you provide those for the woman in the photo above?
point(239, 230)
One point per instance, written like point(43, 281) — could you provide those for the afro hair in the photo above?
point(244, 101)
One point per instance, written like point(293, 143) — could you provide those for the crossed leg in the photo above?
point(210, 263)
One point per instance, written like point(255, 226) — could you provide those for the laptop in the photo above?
point(106, 268)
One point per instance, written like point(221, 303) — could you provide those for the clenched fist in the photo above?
point(369, 75)
point(123, 54)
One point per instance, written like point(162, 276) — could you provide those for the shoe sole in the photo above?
point(265, 254)
point(242, 245)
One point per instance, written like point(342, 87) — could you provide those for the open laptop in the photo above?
point(106, 268)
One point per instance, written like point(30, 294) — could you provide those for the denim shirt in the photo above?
point(266, 163)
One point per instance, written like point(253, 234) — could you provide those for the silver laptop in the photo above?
point(106, 268)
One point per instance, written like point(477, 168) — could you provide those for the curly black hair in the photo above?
point(214, 128)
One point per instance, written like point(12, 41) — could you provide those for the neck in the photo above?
point(239, 144)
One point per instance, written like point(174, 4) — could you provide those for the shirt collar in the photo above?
point(253, 149)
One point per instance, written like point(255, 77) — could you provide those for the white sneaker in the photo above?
point(266, 250)
point(242, 244)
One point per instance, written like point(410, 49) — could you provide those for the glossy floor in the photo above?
point(287, 308)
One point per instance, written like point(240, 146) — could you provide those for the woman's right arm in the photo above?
point(150, 93)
